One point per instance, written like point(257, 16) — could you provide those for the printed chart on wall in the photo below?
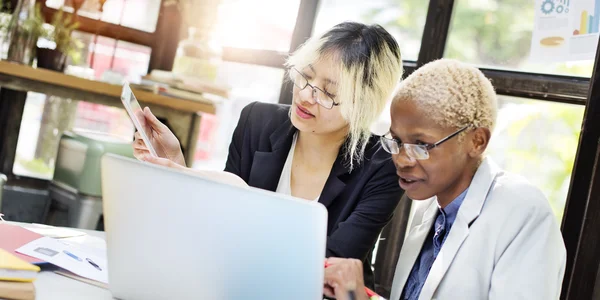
point(565, 30)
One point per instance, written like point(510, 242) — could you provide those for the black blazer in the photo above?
point(359, 203)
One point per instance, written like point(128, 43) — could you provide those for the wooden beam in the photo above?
point(553, 88)
point(110, 30)
point(587, 258)
point(579, 226)
point(546, 87)
point(435, 33)
point(10, 123)
point(166, 38)
point(24, 78)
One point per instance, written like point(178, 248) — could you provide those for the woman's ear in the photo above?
point(480, 140)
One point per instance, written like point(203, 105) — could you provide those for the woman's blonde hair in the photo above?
point(453, 93)
point(370, 68)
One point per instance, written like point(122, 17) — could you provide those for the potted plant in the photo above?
point(63, 25)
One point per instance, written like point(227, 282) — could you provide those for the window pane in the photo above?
point(45, 118)
point(141, 14)
point(131, 60)
point(248, 83)
point(4, 42)
point(259, 24)
point(538, 140)
point(497, 33)
point(99, 118)
point(404, 19)
point(110, 58)
point(136, 14)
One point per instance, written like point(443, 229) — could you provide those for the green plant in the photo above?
point(4, 17)
point(63, 25)
point(34, 24)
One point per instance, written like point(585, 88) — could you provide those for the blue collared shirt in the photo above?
point(431, 248)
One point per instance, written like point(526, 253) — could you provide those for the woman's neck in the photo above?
point(317, 150)
point(460, 185)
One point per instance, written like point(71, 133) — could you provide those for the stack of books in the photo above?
point(16, 277)
point(183, 87)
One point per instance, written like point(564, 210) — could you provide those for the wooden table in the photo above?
point(183, 115)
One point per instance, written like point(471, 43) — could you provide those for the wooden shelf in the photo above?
point(24, 78)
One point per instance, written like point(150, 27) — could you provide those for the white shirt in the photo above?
point(285, 180)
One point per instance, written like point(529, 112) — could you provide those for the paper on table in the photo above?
point(53, 251)
point(53, 232)
point(88, 244)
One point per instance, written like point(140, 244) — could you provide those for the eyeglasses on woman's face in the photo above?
point(393, 145)
point(324, 98)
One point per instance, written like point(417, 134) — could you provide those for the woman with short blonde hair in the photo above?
point(477, 232)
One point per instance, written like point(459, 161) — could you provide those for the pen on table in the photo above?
point(93, 264)
point(71, 255)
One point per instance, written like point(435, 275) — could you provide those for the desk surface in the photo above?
point(52, 286)
point(25, 78)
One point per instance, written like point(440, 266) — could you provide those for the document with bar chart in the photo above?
point(565, 30)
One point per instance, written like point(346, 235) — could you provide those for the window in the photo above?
point(141, 14)
point(263, 24)
point(538, 140)
point(26, 163)
point(497, 34)
point(113, 121)
point(249, 83)
point(136, 14)
point(404, 19)
point(4, 19)
point(44, 120)
point(46, 117)
point(109, 57)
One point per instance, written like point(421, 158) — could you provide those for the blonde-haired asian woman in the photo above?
point(320, 148)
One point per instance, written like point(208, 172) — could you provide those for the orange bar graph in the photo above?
point(584, 23)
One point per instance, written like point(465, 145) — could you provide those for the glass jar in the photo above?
point(198, 56)
point(24, 29)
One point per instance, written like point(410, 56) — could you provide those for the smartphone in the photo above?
point(135, 112)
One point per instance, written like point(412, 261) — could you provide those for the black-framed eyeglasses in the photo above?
point(323, 98)
point(392, 145)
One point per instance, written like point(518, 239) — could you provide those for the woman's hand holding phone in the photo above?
point(163, 140)
point(169, 153)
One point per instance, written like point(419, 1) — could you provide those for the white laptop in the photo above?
point(172, 235)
